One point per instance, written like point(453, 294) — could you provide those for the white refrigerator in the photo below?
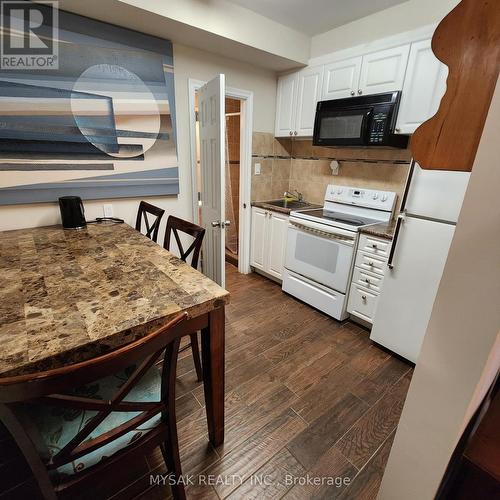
point(424, 230)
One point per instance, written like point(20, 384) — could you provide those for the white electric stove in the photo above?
point(322, 243)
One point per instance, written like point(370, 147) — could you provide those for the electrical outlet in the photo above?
point(257, 169)
point(335, 165)
point(107, 210)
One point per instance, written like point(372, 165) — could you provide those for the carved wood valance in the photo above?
point(468, 41)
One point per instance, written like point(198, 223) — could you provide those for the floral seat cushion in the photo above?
point(57, 425)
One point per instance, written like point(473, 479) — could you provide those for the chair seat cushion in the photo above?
point(58, 425)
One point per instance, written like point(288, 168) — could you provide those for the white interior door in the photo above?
point(212, 156)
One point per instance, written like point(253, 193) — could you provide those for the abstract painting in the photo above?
point(101, 125)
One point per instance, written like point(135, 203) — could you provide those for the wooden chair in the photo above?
point(174, 225)
point(146, 208)
point(79, 422)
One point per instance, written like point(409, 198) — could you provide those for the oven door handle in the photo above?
point(342, 236)
point(390, 260)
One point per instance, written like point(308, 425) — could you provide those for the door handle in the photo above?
point(394, 242)
point(221, 224)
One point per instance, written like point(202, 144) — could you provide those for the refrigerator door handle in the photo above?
point(400, 220)
point(407, 186)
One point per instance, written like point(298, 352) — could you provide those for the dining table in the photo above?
point(70, 295)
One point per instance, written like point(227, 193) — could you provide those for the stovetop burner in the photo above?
point(339, 217)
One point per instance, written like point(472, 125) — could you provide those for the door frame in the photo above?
point(246, 128)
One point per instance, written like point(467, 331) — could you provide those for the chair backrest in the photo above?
point(174, 225)
point(51, 387)
point(146, 208)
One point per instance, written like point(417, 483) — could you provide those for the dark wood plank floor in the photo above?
point(307, 397)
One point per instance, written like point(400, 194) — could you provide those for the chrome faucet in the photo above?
point(293, 194)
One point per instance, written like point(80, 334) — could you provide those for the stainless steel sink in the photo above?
point(289, 204)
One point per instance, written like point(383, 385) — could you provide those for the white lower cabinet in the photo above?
point(362, 303)
point(258, 238)
point(268, 240)
point(368, 277)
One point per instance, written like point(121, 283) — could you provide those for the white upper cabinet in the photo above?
point(296, 101)
point(285, 105)
point(308, 95)
point(341, 78)
point(424, 86)
point(384, 70)
point(404, 62)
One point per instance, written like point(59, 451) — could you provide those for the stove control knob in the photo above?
point(339, 191)
point(384, 197)
point(375, 196)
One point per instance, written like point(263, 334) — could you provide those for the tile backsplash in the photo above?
point(294, 164)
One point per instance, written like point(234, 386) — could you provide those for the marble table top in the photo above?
point(69, 295)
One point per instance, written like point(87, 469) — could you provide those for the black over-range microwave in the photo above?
point(367, 120)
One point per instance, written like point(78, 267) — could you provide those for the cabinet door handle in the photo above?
point(363, 297)
point(394, 241)
point(295, 133)
point(352, 92)
point(374, 245)
point(370, 264)
point(291, 133)
point(360, 91)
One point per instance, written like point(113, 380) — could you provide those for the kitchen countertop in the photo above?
point(267, 206)
point(69, 295)
point(382, 230)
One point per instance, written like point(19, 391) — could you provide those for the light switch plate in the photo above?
point(257, 169)
point(107, 210)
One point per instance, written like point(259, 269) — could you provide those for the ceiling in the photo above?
point(315, 16)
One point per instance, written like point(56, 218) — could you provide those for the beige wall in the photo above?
point(188, 63)
point(457, 361)
point(403, 17)
point(298, 165)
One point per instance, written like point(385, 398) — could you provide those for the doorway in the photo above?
point(232, 169)
point(237, 168)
